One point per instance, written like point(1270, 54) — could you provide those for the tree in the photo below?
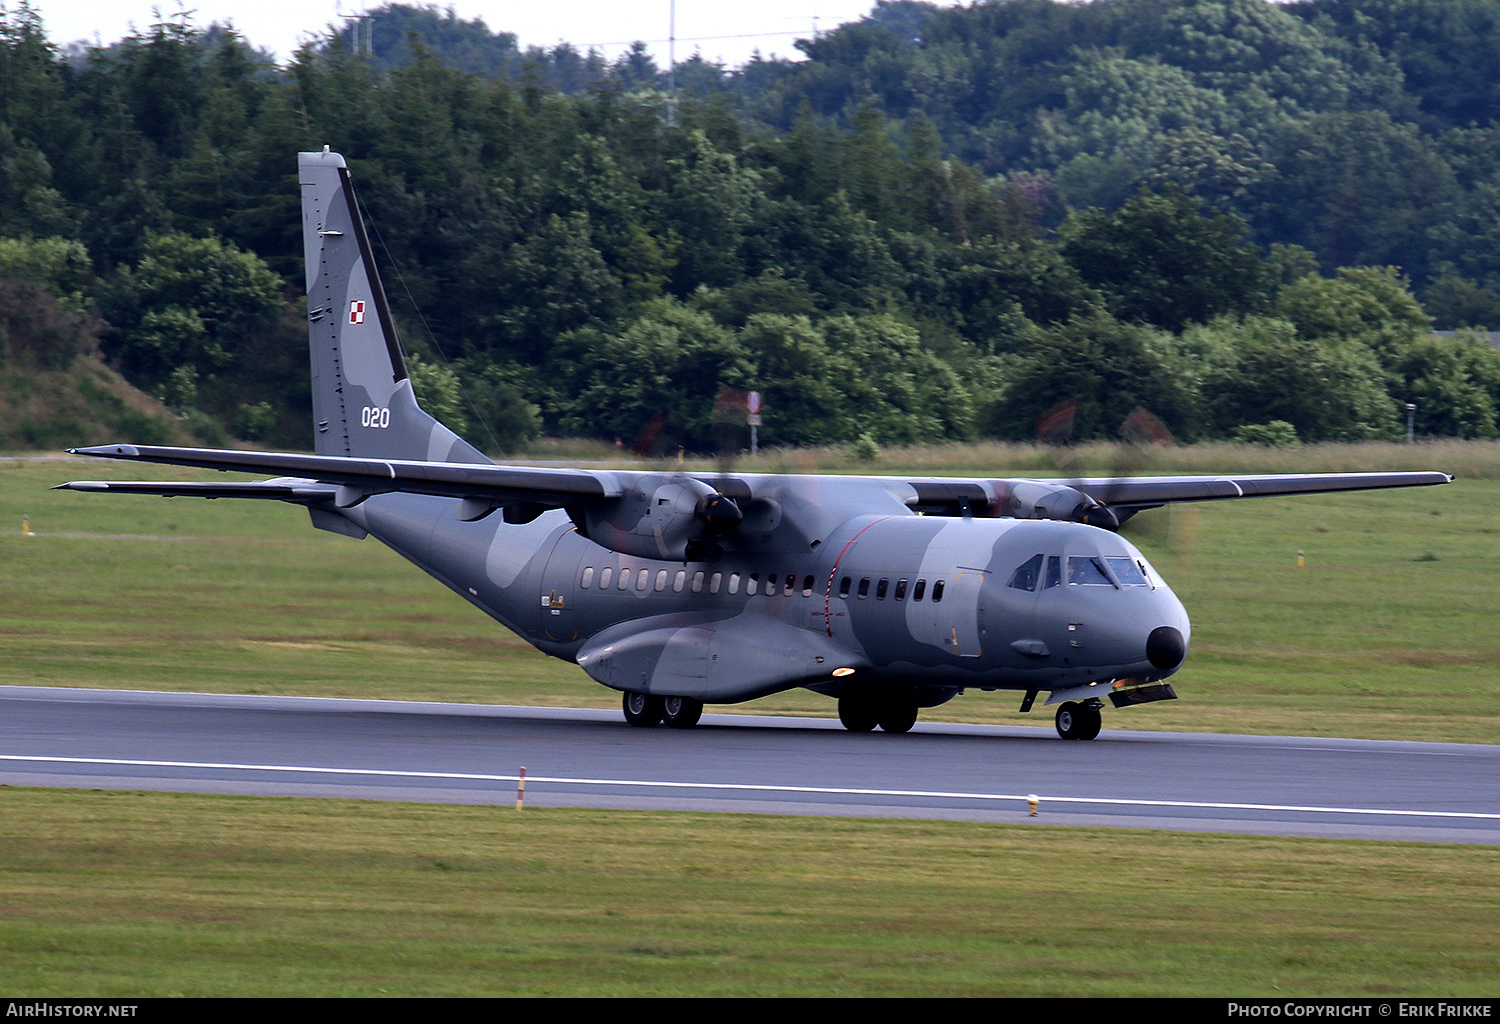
point(1162, 261)
point(189, 302)
point(1455, 384)
point(1109, 367)
point(1369, 306)
point(1259, 370)
point(655, 378)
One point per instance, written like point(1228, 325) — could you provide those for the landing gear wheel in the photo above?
point(858, 712)
point(681, 712)
point(898, 715)
point(642, 709)
point(1091, 722)
point(1077, 721)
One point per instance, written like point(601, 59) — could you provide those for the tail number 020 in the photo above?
point(375, 416)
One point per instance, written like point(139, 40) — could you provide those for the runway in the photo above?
point(453, 753)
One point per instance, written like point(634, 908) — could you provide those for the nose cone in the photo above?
point(1165, 647)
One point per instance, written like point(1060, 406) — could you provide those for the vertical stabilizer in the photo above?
point(362, 399)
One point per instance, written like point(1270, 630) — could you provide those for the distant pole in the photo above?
point(1411, 414)
point(752, 405)
point(521, 788)
point(672, 63)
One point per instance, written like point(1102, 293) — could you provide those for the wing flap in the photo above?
point(300, 491)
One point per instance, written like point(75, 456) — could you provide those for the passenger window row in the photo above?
point(883, 587)
point(753, 583)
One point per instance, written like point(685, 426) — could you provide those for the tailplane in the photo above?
point(363, 404)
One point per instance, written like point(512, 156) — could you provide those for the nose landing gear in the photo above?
point(1079, 720)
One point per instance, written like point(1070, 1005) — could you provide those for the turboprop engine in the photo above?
point(1037, 499)
point(668, 516)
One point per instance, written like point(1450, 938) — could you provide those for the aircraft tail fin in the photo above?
point(363, 404)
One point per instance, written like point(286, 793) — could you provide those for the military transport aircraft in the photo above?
point(890, 594)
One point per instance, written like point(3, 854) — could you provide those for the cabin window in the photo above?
point(734, 583)
point(844, 586)
point(605, 575)
point(881, 588)
point(1054, 571)
point(698, 582)
point(919, 590)
point(770, 586)
point(1026, 575)
point(901, 590)
point(807, 586)
point(937, 591)
point(713, 584)
point(679, 580)
point(791, 584)
point(1085, 571)
point(751, 585)
point(864, 588)
point(661, 580)
point(588, 577)
point(642, 578)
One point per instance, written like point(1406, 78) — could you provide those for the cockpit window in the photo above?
point(1085, 571)
point(1027, 574)
point(1054, 571)
point(1127, 571)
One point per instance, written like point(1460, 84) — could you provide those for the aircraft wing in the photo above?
point(345, 481)
point(1143, 492)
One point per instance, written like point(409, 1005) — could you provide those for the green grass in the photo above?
point(129, 894)
point(1387, 631)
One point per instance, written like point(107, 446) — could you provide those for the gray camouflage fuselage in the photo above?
point(709, 629)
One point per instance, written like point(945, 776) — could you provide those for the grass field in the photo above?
point(163, 894)
point(1388, 630)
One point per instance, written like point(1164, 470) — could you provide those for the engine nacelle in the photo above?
point(667, 516)
point(1037, 499)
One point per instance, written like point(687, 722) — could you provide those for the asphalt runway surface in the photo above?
point(459, 753)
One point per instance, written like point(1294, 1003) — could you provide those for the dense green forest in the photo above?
point(1245, 218)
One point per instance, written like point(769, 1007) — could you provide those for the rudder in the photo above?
point(363, 404)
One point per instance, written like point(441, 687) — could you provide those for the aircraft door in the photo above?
point(560, 590)
point(963, 610)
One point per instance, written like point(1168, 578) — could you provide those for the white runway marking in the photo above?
point(739, 787)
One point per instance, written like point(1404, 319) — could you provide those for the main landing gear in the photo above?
point(647, 709)
point(862, 712)
point(1079, 720)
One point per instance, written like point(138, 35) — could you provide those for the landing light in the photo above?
point(843, 672)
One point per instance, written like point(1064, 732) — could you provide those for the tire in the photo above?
point(1077, 721)
point(1091, 720)
point(1067, 720)
point(642, 709)
point(681, 712)
point(858, 712)
point(898, 715)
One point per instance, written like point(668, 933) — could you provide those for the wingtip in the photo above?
point(122, 451)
